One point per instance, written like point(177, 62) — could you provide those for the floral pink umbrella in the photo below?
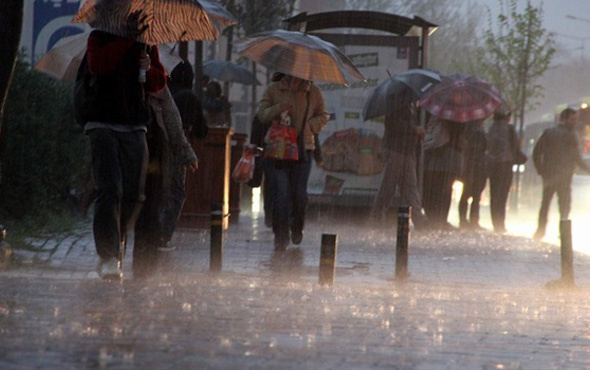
point(462, 98)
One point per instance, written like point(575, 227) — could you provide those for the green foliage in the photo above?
point(44, 152)
point(259, 15)
point(516, 54)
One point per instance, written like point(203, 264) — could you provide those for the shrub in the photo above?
point(43, 151)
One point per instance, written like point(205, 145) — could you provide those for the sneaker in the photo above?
point(168, 247)
point(110, 269)
point(296, 237)
point(539, 235)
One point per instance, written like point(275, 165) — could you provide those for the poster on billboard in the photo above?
point(52, 20)
point(352, 164)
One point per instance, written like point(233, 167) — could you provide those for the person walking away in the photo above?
point(556, 155)
point(305, 105)
point(400, 149)
point(217, 107)
point(117, 130)
point(443, 146)
point(166, 141)
point(194, 127)
point(474, 175)
point(501, 152)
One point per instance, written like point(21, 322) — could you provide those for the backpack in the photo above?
point(116, 97)
point(86, 94)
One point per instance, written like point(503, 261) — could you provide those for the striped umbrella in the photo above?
point(300, 55)
point(462, 98)
point(166, 20)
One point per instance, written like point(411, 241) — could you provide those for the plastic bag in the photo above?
point(244, 169)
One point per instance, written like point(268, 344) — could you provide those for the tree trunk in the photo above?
point(11, 18)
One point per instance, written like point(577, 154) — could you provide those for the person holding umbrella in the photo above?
point(117, 130)
point(443, 147)
point(473, 174)
point(400, 149)
point(304, 103)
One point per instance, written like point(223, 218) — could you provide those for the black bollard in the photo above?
point(403, 238)
point(567, 253)
point(328, 259)
point(216, 257)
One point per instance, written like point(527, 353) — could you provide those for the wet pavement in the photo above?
point(474, 300)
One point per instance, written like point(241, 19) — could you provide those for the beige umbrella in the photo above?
point(164, 21)
point(300, 55)
point(63, 60)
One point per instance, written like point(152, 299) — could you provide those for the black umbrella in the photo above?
point(411, 84)
point(228, 71)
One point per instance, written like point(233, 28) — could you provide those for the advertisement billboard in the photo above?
point(352, 166)
point(52, 20)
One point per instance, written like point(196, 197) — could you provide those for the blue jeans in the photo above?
point(174, 202)
point(119, 164)
point(290, 198)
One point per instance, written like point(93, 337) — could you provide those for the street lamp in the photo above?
point(577, 18)
point(582, 39)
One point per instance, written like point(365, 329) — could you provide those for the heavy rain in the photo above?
point(230, 190)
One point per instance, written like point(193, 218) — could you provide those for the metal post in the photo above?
point(328, 259)
point(216, 257)
point(403, 238)
point(567, 253)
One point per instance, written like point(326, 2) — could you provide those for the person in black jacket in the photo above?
point(116, 126)
point(556, 155)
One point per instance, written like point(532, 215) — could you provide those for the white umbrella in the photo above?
point(63, 60)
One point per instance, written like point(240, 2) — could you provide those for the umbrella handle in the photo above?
point(142, 77)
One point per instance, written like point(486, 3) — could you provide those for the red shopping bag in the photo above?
point(244, 169)
point(281, 143)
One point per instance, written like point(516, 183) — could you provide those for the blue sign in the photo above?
point(52, 20)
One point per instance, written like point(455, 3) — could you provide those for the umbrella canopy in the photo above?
point(63, 60)
point(462, 98)
point(228, 71)
point(300, 55)
point(409, 85)
point(166, 20)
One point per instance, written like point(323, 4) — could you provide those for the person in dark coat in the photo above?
point(117, 129)
point(400, 146)
point(443, 146)
point(502, 147)
point(473, 174)
point(556, 155)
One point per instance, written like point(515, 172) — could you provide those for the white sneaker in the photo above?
point(110, 269)
point(168, 247)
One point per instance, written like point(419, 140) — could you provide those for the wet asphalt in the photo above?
point(473, 300)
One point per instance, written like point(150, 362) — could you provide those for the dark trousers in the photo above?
point(500, 182)
point(437, 195)
point(472, 188)
point(119, 163)
point(267, 189)
point(563, 188)
point(174, 201)
point(290, 198)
